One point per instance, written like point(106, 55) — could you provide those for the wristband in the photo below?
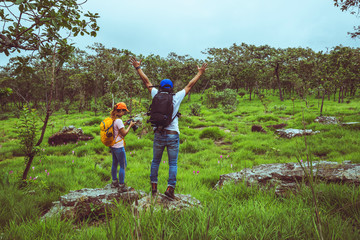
point(137, 67)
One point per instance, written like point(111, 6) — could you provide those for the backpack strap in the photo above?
point(123, 139)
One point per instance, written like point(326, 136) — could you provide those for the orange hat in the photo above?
point(121, 105)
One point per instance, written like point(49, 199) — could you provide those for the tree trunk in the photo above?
point(27, 168)
point(205, 87)
point(322, 103)
point(48, 114)
point(278, 81)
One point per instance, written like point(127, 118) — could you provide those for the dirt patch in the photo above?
point(222, 143)
point(285, 118)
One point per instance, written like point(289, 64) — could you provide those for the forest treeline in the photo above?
point(94, 79)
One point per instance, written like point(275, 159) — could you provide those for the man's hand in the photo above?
point(202, 68)
point(134, 62)
point(192, 82)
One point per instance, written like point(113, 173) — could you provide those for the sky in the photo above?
point(192, 26)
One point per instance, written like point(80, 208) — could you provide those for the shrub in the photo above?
point(93, 121)
point(211, 97)
point(212, 132)
point(195, 109)
point(241, 93)
point(266, 118)
point(228, 98)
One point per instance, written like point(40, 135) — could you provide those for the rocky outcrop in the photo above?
point(287, 176)
point(161, 201)
point(326, 120)
point(257, 128)
point(334, 120)
point(290, 133)
point(69, 134)
point(277, 126)
point(92, 204)
point(352, 125)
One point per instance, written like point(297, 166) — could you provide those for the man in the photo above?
point(169, 137)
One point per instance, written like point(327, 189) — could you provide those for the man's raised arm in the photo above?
point(142, 75)
point(201, 70)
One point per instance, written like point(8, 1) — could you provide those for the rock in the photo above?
point(290, 133)
point(81, 203)
point(277, 126)
point(352, 125)
point(287, 176)
point(326, 120)
point(161, 201)
point(105, 195)
point(257, 128)
point(92, 204)
point(67, 135)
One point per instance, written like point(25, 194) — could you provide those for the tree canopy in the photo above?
point(352, 6)
point(34, 25)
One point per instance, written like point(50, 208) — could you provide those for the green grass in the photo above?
point(234, 212)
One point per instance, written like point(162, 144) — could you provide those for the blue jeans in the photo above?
point(171, 142)
point(119, 158)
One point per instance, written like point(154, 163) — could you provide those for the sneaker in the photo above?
point(115, 183)
point(170, 192)
point(153, 188)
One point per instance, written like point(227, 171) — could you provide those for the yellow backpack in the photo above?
point(107, 132)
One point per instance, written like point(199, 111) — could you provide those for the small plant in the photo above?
point(264, 101)
point(195, 109)
point(311, 179)
point(293, 101)
point(281, 107)
point(27, 130)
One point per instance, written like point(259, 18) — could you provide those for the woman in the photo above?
point(118, 149)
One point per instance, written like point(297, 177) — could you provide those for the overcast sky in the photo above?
point(191, 26)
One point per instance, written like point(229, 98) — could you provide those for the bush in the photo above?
point(266, 118)
point(93, 121)
point(212, 132)
point(241, 93)
point(195, 109)
point(211, 97)
point(228, 98)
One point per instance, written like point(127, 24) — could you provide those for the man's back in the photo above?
point(177, 99)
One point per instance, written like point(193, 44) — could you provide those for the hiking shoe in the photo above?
point(123, 187)
point(170, 192)
point(115, 183)
point(153, 188)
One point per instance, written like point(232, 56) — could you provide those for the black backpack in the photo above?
point(161, 110)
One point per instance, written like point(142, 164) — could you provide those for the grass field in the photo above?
point(212, 144)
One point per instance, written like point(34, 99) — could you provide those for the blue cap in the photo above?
point(166, 83)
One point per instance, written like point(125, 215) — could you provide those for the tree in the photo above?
point(34, 25)
point(354, 7)
point(41, 26)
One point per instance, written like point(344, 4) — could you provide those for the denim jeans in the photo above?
point(119, 158)
point(171, 142)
